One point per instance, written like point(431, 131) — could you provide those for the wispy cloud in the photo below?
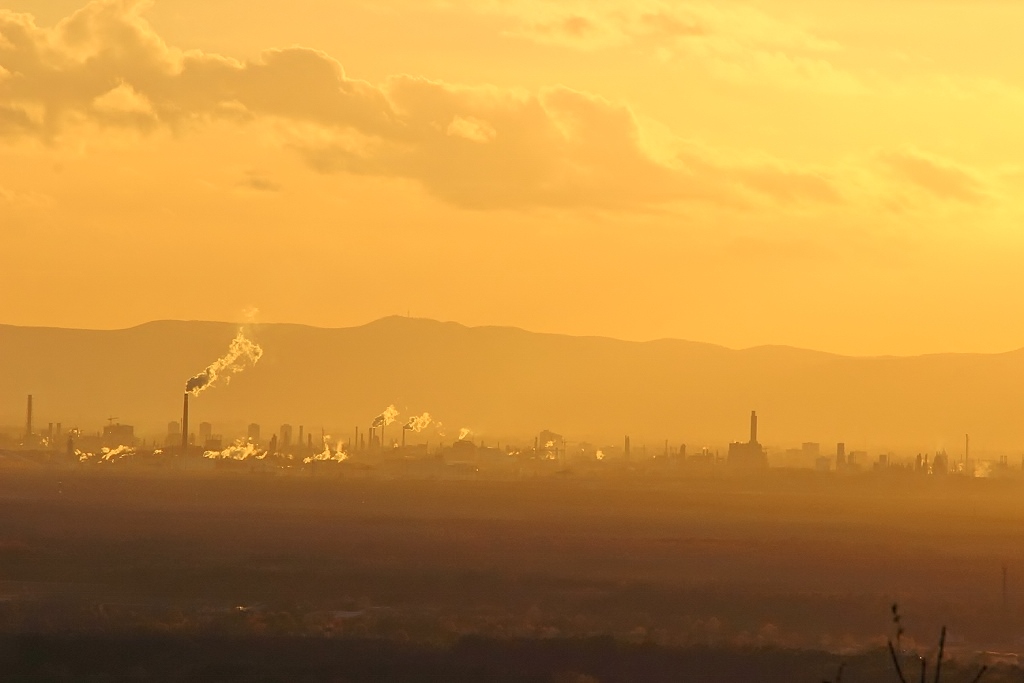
point(733, 41)
point(940, 178)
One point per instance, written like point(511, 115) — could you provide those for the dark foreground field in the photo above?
point(168, 577)
point(64, 658)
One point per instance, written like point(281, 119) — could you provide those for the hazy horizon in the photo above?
point(504, 383)
point(255, 324)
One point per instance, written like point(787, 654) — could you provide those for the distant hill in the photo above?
point(505, 382)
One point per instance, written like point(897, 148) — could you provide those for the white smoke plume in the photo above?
point(240, 450)
point(337, 456)
point(110, 454)
point(242, 350)
point(463, 433)
point(158, 451)
point(600, 455)
point(418, 423)
point(106, 454)
point(386, 418)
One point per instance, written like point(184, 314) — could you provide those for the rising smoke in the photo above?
point(106, 454)
point(418, 423)
point(385, 418)
point(241, 450)
point(327, 456)
point(463, 433)
point(241, 352)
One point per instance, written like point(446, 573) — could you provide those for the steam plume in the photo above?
point(239, 451)
point(463, 433)
point(106, 454)
point(338, 456)
point(241, 351)
point(418, 423)
point(117, 453)
point(386, 418)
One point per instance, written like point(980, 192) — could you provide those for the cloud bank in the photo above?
point(481, 147)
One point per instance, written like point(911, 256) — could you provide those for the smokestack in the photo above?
point(184, 426)
point(753, 426)
point(403, 437)
point(28, 420)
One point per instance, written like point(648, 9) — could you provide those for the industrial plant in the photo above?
point(419, 445)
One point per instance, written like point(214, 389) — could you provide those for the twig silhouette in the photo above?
point(980, 674)
point(896, 662)
point(938, 661)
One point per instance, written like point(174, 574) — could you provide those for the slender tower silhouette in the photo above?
point(753, 426)
point(184, 425)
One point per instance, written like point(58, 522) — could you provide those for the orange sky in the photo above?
point(836, 174)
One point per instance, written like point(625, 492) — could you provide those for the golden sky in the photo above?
point(842, 175)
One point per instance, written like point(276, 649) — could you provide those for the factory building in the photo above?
point(750, 455)
point(115, 435)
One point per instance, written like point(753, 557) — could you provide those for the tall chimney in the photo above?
point(184, 426)
point(753, 426)
point(28, 420)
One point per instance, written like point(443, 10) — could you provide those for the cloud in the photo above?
point(260, 183)
point(480, 147)
point(471, 129)
point(941, 178)
point(733, 41)
point(489, 148)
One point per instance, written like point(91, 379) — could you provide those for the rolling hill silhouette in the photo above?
point(505, 382)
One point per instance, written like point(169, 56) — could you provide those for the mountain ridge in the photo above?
point(505, 382)
point(659, 340)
